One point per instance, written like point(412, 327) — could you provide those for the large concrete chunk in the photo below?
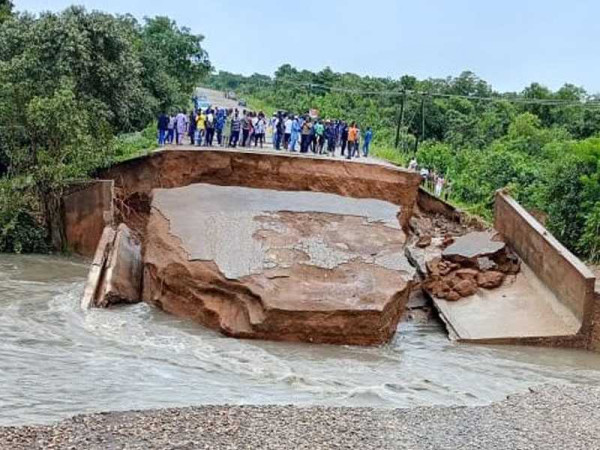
point(265, 264)
point(123, 281)
point(95, 275)
point(116, 272)
point(477, 244)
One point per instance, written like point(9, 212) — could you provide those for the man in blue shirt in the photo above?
point(368, 139)
point(220, 124)
point(163, 126)
point(296, 128)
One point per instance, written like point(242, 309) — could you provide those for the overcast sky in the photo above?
point(509, 43)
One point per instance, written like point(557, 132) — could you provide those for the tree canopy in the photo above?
point(6, 7)
point(69, 83)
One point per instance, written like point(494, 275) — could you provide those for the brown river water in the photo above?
point(58, 361)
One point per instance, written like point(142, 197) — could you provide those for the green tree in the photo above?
point(69, 82)
point(6, 7)
point(173, 62)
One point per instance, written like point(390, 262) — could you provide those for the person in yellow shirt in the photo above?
point(200, 127)
point(352, 139)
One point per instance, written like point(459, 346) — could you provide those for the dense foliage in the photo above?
point(546, 151)
point(69, 83)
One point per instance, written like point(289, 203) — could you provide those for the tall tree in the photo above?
point(173, 60)
point(6, 7)
point(69, 82)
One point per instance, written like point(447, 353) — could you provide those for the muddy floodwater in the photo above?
point(58, 361)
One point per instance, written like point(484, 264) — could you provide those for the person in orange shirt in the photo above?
point(352, 138)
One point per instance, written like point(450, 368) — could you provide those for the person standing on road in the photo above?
point(367, 144)
point(220, 124)
point(356, 152)
point(246, 127)
point(313, 138)
point(306, 135)
point(163, 128)
point(181, 123)
point(236, 125)
point(338, 132)
point(210, 127)
point(287, 132)
point(296, 129)
point(171, 130)
point(352, 135)
point(343, 136)
point(319, 137)
point(259, 130)
point(330, 136)
point(227, 128)
point(273, 127)
point(200, 128)
point(281, 129)
point(192, 127)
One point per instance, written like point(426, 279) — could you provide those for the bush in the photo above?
point(436, 156)
point(589, 244)
point(20, 231)
point(390, 154)
point(132, 145)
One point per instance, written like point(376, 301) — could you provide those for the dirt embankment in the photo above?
point(135, 179)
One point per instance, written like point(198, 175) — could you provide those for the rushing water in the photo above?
point(57, 360)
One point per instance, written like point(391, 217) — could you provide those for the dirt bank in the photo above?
point(135, 179)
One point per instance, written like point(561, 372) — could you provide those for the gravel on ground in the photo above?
point(566, 417)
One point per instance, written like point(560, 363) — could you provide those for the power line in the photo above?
point(517, 100)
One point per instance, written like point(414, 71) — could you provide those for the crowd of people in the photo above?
point(232, 128)
point(432, 180)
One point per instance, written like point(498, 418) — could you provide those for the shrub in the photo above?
point(589, 244)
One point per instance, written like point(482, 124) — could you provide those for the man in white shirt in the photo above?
point(288, 132)
point(424, 175)
point(439, 186)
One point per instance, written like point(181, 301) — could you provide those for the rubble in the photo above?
point(475, 260)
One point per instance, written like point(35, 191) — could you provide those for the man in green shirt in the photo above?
point(319, 136)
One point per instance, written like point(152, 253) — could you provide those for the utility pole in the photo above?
point(400, 118)
point(423, 118)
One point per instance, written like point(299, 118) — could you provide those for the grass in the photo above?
point(256, 104)
point(390, 154)
point(132, 145)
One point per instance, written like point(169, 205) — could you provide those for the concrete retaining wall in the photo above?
point(570, 279)
point(87, 209)
point(429, 203)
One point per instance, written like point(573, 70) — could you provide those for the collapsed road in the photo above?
point(257, 245)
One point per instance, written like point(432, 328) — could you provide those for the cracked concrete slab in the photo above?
point(224, 224)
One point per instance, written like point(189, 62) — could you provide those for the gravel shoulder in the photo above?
point(548, 418)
